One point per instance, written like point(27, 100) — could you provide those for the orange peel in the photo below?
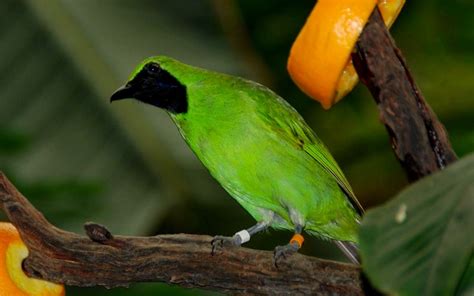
point(319, 61)
point(13, 281)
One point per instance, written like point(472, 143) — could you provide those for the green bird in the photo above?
point(258, 148)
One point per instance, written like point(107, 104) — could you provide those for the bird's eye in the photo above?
point(153, 68)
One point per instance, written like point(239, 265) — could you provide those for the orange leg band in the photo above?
point(297, 238)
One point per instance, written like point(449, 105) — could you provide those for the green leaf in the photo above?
point(421, 242)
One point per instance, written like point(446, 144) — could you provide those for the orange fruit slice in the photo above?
point(13, 281)
point(319, 61)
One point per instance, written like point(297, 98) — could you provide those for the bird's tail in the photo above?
point(350, 249)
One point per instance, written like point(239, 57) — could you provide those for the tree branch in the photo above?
point(418, 138)
point(102, 259)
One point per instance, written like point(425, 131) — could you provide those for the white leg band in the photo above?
point(244, 236)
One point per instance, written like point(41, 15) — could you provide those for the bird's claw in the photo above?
point(282, 252)
point(219, 242)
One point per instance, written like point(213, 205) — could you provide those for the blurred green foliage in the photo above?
point(78, 159)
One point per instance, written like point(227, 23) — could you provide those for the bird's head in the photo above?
point(153, 83)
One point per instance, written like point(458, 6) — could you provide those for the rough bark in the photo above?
point(418, 138)
point(102, 259)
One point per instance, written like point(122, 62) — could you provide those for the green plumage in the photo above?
point(263, 153)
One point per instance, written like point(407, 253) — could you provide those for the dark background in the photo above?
point(78, 158)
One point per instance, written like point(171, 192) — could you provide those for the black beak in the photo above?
point(157, 87)
point(125, 92)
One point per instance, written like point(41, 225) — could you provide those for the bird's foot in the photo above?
point(220, 242)
point(283, 252)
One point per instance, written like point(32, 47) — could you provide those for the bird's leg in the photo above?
point(281, 252)
point(238, 238)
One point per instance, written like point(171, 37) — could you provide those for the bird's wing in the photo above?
point(318, 151)
point(292, 127)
